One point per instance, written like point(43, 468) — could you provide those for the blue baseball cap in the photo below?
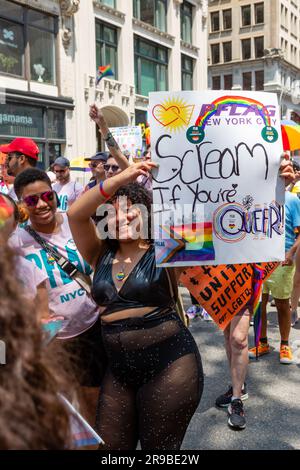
point(62, 161)
point(98, 156)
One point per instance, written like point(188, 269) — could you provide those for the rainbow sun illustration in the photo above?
point(174, 114)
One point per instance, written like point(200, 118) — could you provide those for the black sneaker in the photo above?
point(224, 400)
point(236, 414)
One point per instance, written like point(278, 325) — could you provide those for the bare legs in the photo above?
point(236, 343)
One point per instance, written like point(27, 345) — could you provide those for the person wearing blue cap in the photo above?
point(96, 165)
point(68, 191)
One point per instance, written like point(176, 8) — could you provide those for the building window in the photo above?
point(247, 81)
point(216, 82)
point(41, 35)
point(246, 49)
point(45, 125)
point(107, 46)
point(228, 82)
point(259, 13)
point(186, 18)
point(109, 3)
point(215, 53)
point(151, 67)
point(187, 66)
point(227, 19)
point(19, 27)
point(227, 51)
point(215, 21)
point(259, 80)
point(259, 46)
point(152, 12)
point(246, 15)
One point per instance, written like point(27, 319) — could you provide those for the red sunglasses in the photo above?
point(32, 201)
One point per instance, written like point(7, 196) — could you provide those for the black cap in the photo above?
point(98, 156)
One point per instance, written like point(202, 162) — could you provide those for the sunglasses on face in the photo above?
point(94, 165)
point(32, 201)
point(113, 168)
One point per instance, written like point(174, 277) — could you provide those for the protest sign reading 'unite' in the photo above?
point(217, 195)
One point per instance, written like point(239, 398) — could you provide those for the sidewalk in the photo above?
point(273, 407)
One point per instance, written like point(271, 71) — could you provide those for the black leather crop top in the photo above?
point(146, 285)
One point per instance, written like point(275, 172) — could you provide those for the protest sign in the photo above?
point(129, 140)
point(223, 290)
point(217, 195)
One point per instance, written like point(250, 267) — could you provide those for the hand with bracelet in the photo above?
point(97, 116)
point(82, 227)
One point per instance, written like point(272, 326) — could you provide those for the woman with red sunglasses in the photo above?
point(67, 298)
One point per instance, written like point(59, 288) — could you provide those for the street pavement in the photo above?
point(273, 407)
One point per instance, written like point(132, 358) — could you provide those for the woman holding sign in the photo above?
point(154, 380)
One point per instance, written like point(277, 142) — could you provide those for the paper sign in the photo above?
point(217, 195)
point(223, 290)
point(129, 140)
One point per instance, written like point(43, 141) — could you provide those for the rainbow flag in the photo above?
point(103, 71)
point(198, 242)
point(82, 433)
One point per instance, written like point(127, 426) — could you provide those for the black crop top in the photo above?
point(146, 285)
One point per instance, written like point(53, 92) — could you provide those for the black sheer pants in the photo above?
point(152, 387)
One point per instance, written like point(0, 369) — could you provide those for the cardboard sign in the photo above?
point(217, 195)
point(129, 140)
point(223, 290)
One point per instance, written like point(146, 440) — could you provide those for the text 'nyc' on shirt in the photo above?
point(67, 193)
point(66, 297)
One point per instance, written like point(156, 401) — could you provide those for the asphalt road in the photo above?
point(273, 407)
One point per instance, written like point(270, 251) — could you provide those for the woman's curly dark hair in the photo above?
point(31, 413)
point(137, 194)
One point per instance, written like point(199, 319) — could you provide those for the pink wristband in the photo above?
point(102, 192)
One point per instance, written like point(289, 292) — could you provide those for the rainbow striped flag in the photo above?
point(103, 71)
point(198, 242)
point(82, 433)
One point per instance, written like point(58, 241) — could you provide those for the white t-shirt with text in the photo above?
point(66, 297)
point(67, 193)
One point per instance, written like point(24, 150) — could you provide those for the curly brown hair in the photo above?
point(31, 413)
point(139, 195)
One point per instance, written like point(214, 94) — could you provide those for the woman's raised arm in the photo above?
point(97, 116)
point(82, 227)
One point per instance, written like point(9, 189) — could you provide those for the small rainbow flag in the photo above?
point(103, 71)
point(81, 432)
